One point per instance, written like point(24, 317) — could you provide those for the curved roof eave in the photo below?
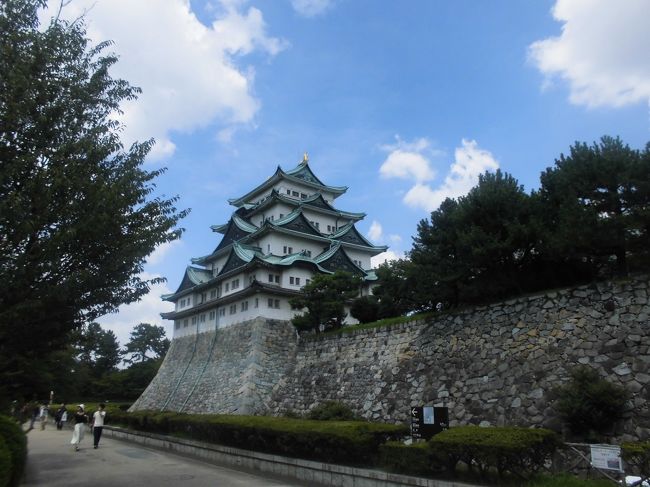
point(278, 175)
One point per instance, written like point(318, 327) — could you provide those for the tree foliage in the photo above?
point(98, 349)
point(589, 219)
point(78, 216)
point(589, 403)
point(597, 206)
point(146, 339)
point(325, 298)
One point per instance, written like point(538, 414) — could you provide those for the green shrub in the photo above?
point(5, 464)
point(332, 411)
point(521, 451)
point(16, 442)
point(588, 403)
point(351, 442)
point(567, 480)
point(637, 456)
point(414, 459)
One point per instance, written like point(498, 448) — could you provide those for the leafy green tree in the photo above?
point(475, 248)
point(588, 403)
point(325, 298)
point(396, 290)
point(365, 309)
point(98, 349)
point(78, 216)
point(597, 206)
point(146, 339)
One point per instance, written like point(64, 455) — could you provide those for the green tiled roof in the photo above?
point(300, 174)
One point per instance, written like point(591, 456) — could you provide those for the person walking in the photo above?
point(98, 424)
point(43, 413)
point(80, 420)
point(61, 416)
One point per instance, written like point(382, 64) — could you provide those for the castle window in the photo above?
point(185, 323)
point(277, 279)
point(303, 195)
point(213, 294)
point(222, 311)
point(235, 284)
point(257, 302)
point(270, 277)
point(227, 286)
point(289, 192)
point(307, 252)
point(233, 309)
point(295, 193)
point(277, 303)
point(281, 215)
point(270, 303)
point(244, 306)
point(194, 320)
point(287, 250)
point(203, 318)
point(291, 280)
point(213, 315)
point(297, 281)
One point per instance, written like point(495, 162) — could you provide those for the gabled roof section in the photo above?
point(297, 222)
point(335, 259)
point(301, 174)
point(234, 230)
point(314, 201)
point(349, 234)
point(193, 277)
point(239, 257)
point(238, 221)
point(303, 171)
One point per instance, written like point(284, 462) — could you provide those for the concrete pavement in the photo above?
point(52, 462)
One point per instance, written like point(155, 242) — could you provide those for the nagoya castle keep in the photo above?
point(282, 233)
point(235, 350)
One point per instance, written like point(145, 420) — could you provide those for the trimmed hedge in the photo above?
point(348, 442)
point(16, 444)
point(5, 464)
point(521, 451)
point(637, 455)
point(414, 459)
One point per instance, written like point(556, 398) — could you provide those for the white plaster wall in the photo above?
point(364, 257)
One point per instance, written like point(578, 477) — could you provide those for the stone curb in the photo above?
point(303, 470)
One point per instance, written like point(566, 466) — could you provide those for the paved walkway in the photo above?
point(52, 462)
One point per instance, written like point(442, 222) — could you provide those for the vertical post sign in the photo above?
point(427, 421)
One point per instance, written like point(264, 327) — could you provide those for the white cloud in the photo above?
point(602, 51)
point(162, 251)
point(147, 310)
point(186, 69)
point(408, 160)
point(470, 162)
point(311, 8)
point(379, 259)
point(395, 238)
point(376, 232)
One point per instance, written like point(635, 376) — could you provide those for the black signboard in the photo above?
point(427, 421)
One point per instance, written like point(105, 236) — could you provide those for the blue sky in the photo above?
point(404, 102)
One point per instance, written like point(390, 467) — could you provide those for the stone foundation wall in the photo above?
point(231, 370)
point(490, 365)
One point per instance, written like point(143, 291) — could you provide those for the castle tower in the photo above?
point(233, 342)
point(282, 233)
